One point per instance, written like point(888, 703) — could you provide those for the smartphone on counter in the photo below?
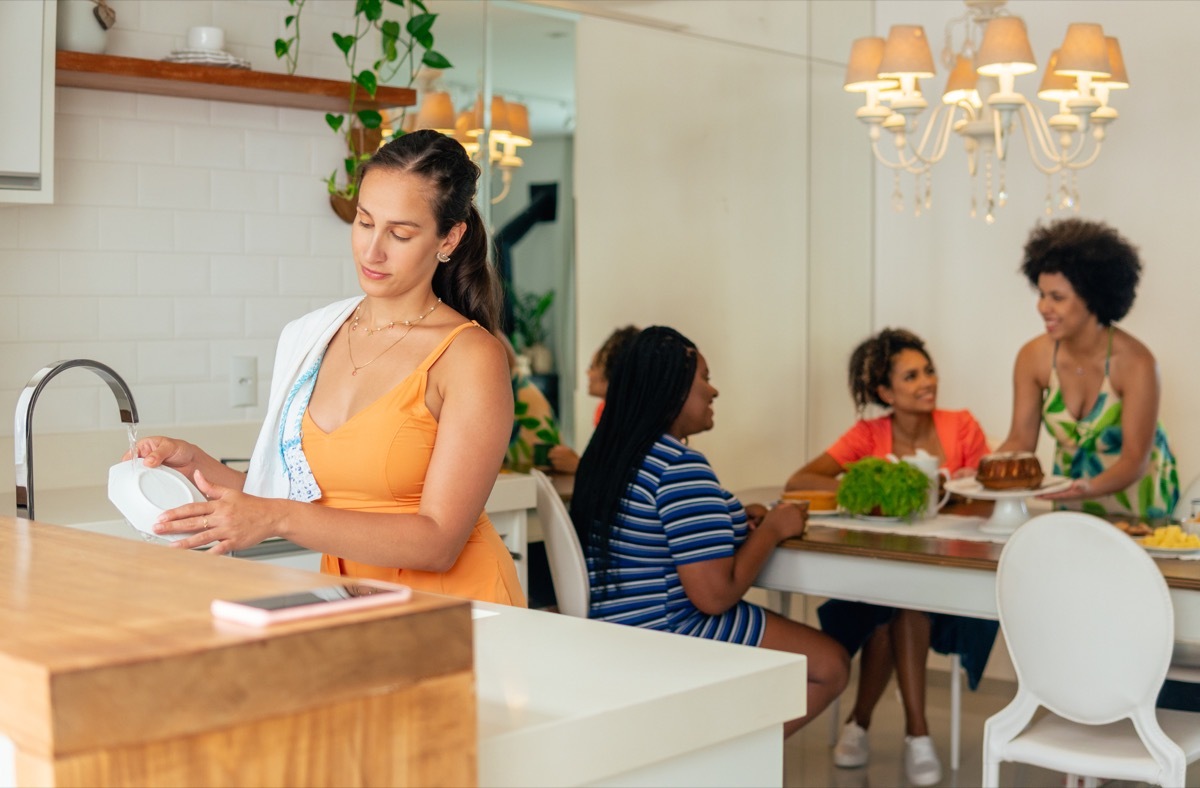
point(345, 595)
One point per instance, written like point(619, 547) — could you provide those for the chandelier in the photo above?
point(509, 130)
point(981, 105)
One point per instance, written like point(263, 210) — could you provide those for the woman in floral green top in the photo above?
point(1094, 385)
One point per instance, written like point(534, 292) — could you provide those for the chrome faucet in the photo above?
point(23, 422)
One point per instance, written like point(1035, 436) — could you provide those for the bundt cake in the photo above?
point(1018, 470)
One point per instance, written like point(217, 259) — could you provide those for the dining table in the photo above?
point(940, 565)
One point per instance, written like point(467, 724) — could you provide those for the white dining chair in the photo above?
point(568, 570)
point(1089, 625)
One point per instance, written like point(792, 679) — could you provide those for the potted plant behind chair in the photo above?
point(530, 332)
point(362, 128)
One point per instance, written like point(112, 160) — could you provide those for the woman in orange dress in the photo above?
point(391, 412)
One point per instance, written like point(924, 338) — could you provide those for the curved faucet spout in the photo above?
point(23, 422)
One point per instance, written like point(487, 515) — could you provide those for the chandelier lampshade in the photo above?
point(1084, 52)
point(862, 72)
point(1056, 87)
point(1005, 48)
point(961, 84)
point(436, 112)
point(906, 53)
point(1116, 61)
point(518, 121)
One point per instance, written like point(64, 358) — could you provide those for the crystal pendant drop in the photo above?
point(974, 209)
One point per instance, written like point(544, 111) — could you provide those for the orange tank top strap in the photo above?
point(432, 358)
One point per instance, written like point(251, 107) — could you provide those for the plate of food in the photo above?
point(819, 501)
point(1171, 540)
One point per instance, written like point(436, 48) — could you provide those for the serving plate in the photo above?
point(970, 487)
point(1171, 552)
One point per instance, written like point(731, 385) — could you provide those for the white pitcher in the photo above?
point(928, 465)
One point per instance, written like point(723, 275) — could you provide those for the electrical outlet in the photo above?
point(243, 381)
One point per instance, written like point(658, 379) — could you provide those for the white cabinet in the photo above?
point(27, 29)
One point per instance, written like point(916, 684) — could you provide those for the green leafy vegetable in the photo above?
point(876, 486)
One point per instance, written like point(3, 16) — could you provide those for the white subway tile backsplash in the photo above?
point(312, 276)
point(156, 407)
point(136, 318)
point(222, 350)
point(251, 23)
point(209, 317)
point(173, 18)
point(173, 187)
point(121, 356)
point(199, 231)
point(94, 103)
point(95, 183)
point(303, 121)
point(205, 146)
point(243, 274)
point(138, 141)
point(172, 109)
point(204, 403)
point(168, 273)
point(235, 190)
point(266, 317)
point(24, 272)
point(59, 227)
point(10, 319)
point(9, 226)
point(277, 152)
point(136, 229)
point(58, 318)
point(304, 195)
point(172, 361)
point(277, 234)
point(97, 273)
point(20, 360)
point(65, 408)
point(244, 116)
point(330, 237)
point(75, 138)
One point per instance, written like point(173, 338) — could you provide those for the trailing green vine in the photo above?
point(398, 47)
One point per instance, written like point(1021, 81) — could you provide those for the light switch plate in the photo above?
point(243, 381)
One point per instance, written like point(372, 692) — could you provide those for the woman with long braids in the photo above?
point(391, 411)
point(667, 547)
point(893, 370)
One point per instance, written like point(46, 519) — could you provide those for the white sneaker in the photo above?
point(851, 749)
point(921, 764)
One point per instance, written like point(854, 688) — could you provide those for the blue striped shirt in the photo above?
point(674, 513)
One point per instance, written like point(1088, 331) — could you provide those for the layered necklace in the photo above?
point(408, 324)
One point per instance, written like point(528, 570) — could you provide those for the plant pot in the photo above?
point(541, 360)
point(345, 208)
point(78, 28)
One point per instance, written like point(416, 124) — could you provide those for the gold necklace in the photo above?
point(357, 367)
point(391, 324)
point(410, 324)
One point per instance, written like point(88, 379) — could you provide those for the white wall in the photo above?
point(954, 280)
point(694, 193)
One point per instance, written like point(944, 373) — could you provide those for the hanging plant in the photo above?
point(399, 45)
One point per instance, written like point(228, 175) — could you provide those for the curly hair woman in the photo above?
point(1094, 385)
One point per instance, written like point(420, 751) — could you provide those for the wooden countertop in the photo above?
point(109, 642)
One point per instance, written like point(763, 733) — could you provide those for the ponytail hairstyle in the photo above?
point(468, 283)
point(649, 383)
point(871, 364)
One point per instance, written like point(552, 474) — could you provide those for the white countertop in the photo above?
point(568, 701)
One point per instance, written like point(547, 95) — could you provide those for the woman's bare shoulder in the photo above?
point(1035, 355)
point(1130, 353)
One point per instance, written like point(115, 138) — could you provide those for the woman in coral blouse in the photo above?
point(893, 370)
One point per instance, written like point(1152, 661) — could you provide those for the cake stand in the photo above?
point(1010, 510)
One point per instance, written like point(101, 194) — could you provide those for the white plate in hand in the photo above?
point(141, 494)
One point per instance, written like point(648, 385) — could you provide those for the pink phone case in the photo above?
point(263, 611)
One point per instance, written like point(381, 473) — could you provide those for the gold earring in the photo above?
point(443, 258)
